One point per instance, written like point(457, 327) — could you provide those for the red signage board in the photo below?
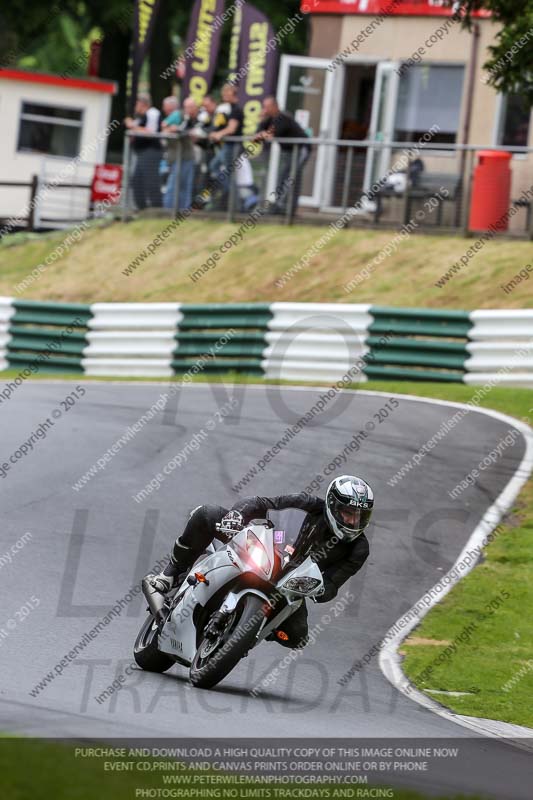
point(420, 8)
point(106, 183)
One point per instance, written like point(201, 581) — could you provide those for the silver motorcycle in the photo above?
point(234, 597)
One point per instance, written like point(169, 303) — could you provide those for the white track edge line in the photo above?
point(389, 658)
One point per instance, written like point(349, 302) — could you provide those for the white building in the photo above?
point(54, 128)
point(389, 70)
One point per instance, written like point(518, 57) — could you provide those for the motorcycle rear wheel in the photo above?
point(146, 652)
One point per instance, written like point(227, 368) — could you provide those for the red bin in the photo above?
point(491, 192)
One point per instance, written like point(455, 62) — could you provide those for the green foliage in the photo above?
point(510, 66)
point(53, 38)
point(57, 39)
point(50, 38)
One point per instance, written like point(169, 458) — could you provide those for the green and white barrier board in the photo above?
point(287, 341)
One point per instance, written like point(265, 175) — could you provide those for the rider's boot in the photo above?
point(156, 587)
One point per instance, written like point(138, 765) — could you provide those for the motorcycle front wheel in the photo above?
point(215, 658)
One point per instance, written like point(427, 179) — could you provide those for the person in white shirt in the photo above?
point(147, 148)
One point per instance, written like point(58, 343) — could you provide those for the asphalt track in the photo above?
point(89, 547)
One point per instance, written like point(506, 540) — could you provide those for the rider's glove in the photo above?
point(329, 593)
point(233, 521)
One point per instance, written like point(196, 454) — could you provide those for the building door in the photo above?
point(306, 88)
point(368, 94)
point(384, 107)
point(345, 166)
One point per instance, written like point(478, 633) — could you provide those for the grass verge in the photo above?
point(91, 269)
point(493, 664)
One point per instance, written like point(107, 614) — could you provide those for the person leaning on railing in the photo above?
point(172, 119)
point(147, 148)
point(205, 148)
point(276, 124)
point(228, 121)
point(187, 161)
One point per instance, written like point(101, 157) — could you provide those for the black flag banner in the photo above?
point(258, 63)
point(234, 48)
point(143, 25)
point(203, 42)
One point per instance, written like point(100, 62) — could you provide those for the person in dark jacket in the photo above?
point(276, 124)
point(333, 533)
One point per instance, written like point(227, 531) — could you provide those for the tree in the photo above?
point(46, 38)
point(50, 38)
point(57, 39)
point(510, 65)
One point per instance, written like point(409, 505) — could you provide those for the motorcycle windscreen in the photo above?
point(287, 525)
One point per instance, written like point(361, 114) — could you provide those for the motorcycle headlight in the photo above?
point(301, 585)
point(257, 552)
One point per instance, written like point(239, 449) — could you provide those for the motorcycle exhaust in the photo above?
point(155, 600)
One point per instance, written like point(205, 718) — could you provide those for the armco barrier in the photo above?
point(6, 312)
point(426, 344)
point(132, 339)
point(497, 326)
point(223, 338)
point(316, 341)
point(287, 341)
point(46, 336)
point(501, 348)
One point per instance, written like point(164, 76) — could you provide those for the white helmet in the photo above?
point(349, 504)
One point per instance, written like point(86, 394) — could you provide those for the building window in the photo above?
point(429, 95)
point(51, 130)
point(515, 118)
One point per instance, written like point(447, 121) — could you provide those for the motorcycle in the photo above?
point(234, 597)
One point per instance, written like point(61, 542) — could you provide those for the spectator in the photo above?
point(208, 111)
point(228, 122)
point(206, 118)
point(276, 124)
point(145, 179)
point(173, 115)
point(171, 122)
point(187, 160)
point(247, 192)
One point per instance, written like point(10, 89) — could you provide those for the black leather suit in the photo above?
point(338, 560)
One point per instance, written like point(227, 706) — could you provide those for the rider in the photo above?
point(332, 532)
